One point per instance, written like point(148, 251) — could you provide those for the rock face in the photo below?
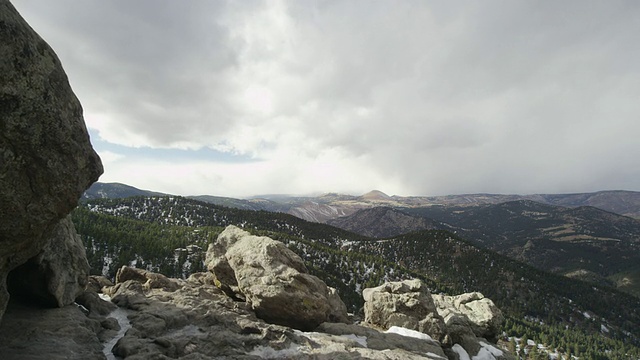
point(273, 280)
point(46, 159)
point(148, 279)
point(481, 314)
point(38, 333)
point(462, 323)
point(406, 304)
point(58, 274)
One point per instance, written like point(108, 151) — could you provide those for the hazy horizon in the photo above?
point(322, 193)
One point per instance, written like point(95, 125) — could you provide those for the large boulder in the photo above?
point(273, 280)
point(58, 274)
point(465, 324)
point(406, 304)
point(480, 313)
point(46, 159)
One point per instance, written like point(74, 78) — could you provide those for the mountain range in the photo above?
point(578, 239)
point(170, 234)
point(331, 205)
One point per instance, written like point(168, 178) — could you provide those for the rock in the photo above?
point(97, 282)
point(58, 274)
point(199, 321)
point(462, 322)
point(48, 334)
point(95, 304)
point(202, 278)
point(406, 304)
point(273, 280)
point(46, 159)
point(380, 341)
point(149, 279)
point(483, 316)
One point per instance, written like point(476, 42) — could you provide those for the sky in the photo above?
point(240, 98)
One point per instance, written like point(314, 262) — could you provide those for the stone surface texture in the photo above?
point(46, 159)
point(59, 273)
point(273, 280)
point(200, 321)
point(468, 320)
point(406, 304)
point(482, 315)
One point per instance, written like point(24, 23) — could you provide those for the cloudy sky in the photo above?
point(238, 98)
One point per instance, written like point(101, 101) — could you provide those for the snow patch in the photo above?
point(121, 316)
point(462, 353)
point(409, 333)
point(487, 352)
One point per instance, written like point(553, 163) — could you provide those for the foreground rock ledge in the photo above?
point(197, 320)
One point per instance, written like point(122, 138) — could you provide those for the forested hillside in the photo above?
point(170, 235)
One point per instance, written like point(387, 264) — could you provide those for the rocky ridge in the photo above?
point(198, 318)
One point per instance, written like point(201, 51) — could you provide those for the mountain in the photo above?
point(384, 222)
point(115, 191)
point(584, 242)
point(375, 195)
point(620, 202)
point(172, 233)
point(252, 204)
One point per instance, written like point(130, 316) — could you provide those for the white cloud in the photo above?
point(410, 97)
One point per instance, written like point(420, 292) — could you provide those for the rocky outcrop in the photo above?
point(58, 274)
point(480, 313)
point(406, 304)
point(273, 280)
point(148, 279)
point(38, 333)
point(46, 159)
point(200, 321)
point(462, 323)
point(194, 319)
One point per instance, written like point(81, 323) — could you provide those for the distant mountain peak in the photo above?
point(375, 195)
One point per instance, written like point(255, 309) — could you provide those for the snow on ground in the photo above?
point(487, 352)
point(121, 316)
point(435, 356)
point(410, 333)
point(462, 353)
point(531, 342)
